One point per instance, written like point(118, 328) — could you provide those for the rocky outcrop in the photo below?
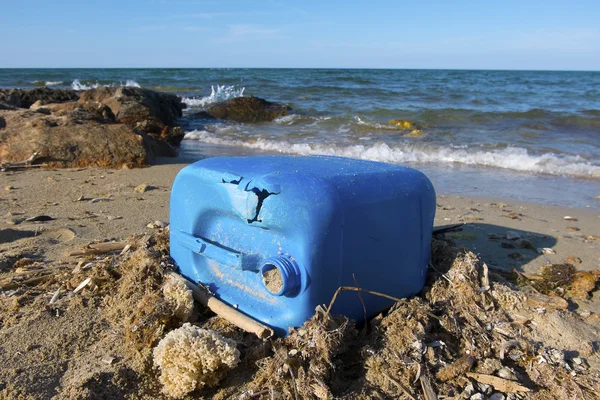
point(248, 109)
point(107, 126)
point(154, 113)
point(24, 98)
point(78, 139)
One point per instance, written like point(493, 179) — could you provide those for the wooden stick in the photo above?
point(21, 164)
point(225, 311)
point(502, 385)
point(36, 280)
point(428, 391)
point(399, 386)
point(97, 248)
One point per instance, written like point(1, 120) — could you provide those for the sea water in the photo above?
point(524, 135)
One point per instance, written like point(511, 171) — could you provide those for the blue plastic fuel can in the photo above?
point(276, 236)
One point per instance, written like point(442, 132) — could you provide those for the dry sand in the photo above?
point(66, 196)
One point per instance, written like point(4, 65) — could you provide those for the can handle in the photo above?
point(214, 251)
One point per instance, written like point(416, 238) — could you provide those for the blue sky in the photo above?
point(525, 34)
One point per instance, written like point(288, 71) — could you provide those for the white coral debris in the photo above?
point(190, 358)
point(177, 293)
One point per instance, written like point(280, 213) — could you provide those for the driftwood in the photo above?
point(32, 281)
point(226, 311)
point(500, 384)
point(98, 248)
point(22, 164)
point(399, 386)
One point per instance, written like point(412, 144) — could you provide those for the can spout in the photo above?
point(281, 276)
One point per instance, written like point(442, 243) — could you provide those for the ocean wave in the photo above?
point(221, 93)
point(77, 85)
point(47, 83)
point(511, 158)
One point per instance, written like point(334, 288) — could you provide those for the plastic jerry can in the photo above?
point(276, 236)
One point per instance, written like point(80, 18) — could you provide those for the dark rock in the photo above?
point(2, 123)
point(201, 115)
point(248, 109)
point(4, 106)
point(24, 98)
point(134, 105)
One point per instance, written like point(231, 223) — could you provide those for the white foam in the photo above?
point(77, 85)
point(512, 158)
point(221, 93)
point(49, 83)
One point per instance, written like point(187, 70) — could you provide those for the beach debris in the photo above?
point(9, 188)
point(39, 218)
point(546, 250)
point(539, 300)
point(512, 235)
point(597, 198)
point(22, 164)
point(55, 297)
point(98, 248)
point(190, 358)
point(428, 391)
point(157, 225)
point(593, 238)
point(583, 284)
point(569, 218)
point(100, 199)
point(143, 188)
point(499, 384)
point(83, 284)
point(573, 260)
point(180, 297)
point(204, 297)
point(107, 359)
point(558, 275)
point(572, 228)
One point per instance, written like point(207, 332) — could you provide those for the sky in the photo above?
point(437, 34)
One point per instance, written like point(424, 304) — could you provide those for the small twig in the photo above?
point(259, 393)
point(362, 301)
point(357, 289)
point(443, 275)
point(294, 382)
point(399, 386)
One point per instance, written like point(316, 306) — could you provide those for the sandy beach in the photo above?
point(88, 205)
point(118, 211)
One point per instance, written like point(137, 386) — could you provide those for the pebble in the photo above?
point(157, 224)
point(507, 373)
point(8, 188)
point(512, 235)
point(546, 250)
point(497, 396)
point(572, 228)
point(477, 396)
point(569, 218)
point(143, 188)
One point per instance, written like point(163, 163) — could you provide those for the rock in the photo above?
point(507, 373)
point(157, 225)
point(248, 109)
point(134, 105)
point(572, 228)
point(497, 396)
point(546, 250)
point(78, 139)
point(597, 198)
point(569, 218)
point(2, 123)
point(8, 187)
point(477, 396)
point(144, 187)
point(512, 235)
point(25, 98)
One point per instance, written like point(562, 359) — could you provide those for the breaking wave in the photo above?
point(511, 158)
point(77, 85)
point(47, 83)
point(220, 93)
